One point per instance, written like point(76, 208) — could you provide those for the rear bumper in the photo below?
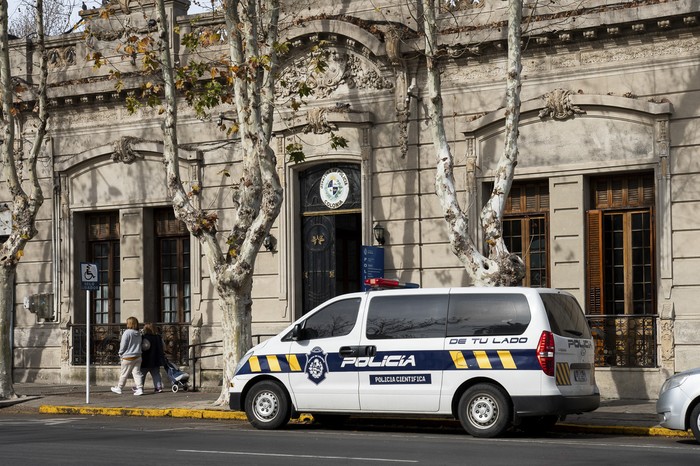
point(555, 405)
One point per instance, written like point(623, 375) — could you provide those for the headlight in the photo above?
point(242, 361)
point(673, 382)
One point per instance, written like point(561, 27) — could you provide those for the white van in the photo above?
point(490, 357)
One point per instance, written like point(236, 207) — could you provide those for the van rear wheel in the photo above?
point(484, 411)
point(267, 406)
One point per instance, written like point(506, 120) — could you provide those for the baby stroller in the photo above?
point(178, 379)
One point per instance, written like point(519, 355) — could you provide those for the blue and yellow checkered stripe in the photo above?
point(425, 361)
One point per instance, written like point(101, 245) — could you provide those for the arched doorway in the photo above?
point(331, 232)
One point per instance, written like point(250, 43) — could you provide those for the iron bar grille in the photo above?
point(624, 340)
point(104, 348)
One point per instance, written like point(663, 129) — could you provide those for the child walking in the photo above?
point(130, 354)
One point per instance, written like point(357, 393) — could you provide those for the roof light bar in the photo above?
point(387, 283)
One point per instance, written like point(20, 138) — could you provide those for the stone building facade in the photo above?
point(604, 204)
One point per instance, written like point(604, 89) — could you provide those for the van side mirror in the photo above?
point(297, 333)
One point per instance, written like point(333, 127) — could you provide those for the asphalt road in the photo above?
point(50, 440)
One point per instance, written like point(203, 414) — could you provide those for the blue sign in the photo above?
point(372, 264)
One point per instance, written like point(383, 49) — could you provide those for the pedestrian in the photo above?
point(152, 357)
point(130, 354)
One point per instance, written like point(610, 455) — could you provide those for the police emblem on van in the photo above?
point(316, 365)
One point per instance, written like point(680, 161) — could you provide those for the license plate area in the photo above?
point(580, 375)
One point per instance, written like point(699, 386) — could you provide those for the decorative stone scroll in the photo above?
point(558, 105)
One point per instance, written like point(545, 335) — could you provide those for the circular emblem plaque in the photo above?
point(334, 188)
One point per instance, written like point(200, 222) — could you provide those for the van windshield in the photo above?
point(565, 316)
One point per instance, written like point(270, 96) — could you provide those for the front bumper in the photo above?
point(671, 407)
point(235, 401)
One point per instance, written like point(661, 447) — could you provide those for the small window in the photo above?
point(565, 316)
point(487, 314)
point(335, 320)
point(392, 317)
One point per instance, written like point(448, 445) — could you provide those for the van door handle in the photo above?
point(355, 351)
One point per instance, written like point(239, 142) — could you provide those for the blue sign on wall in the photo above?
point(372, 264)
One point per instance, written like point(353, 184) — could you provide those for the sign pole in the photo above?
point(89, 280)
point(87, 348)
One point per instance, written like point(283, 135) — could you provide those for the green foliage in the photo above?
point(295, 152)
point(338, 141)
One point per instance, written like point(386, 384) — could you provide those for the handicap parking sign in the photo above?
point(89, 277)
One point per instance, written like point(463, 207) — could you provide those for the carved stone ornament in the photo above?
point(344, 71)
point(318, 121)
point(667, 349)
point(61, 57)
point(393, 46)
point(558, 105)
point(123, 150)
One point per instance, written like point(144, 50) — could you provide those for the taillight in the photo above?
point(545, 353)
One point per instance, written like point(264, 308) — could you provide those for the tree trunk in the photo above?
point(236, 319)
point(7, 280)
point(499, 267)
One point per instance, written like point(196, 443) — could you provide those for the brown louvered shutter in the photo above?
point(594, 271)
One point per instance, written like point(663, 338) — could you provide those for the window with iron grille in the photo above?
point(103, 250)
point(526, 229)
point(621, 289)
point(173, 249)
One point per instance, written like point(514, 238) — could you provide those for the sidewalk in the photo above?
point(616, 417)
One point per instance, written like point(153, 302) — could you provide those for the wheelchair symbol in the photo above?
point(88, 274)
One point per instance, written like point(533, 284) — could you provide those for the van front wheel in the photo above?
point(484, 411)
point(267, 406)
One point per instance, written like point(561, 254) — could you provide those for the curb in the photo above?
point(623, 430)
point(307, 418)
point(145, 412)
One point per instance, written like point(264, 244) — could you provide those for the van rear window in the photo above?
point(487, 314)
point(565, 316)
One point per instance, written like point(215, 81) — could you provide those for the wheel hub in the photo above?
point(483, 412)
point(266, 406)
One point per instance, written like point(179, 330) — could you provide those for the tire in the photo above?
point(174, 388)
point(484, 411)
point(267, 406)
point(695, 422)
point(538, 424)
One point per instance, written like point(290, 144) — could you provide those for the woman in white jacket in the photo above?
point(130, 354)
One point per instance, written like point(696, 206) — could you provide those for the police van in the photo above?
point(490, 357)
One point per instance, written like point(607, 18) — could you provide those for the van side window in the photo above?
point(487, 314)
point(335, 320)
point(565, 316)
point(414, 316)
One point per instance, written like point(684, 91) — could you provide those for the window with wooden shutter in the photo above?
point(594, 272)
point(620, 283)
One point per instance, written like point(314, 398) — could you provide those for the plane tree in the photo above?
point(20, 176)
